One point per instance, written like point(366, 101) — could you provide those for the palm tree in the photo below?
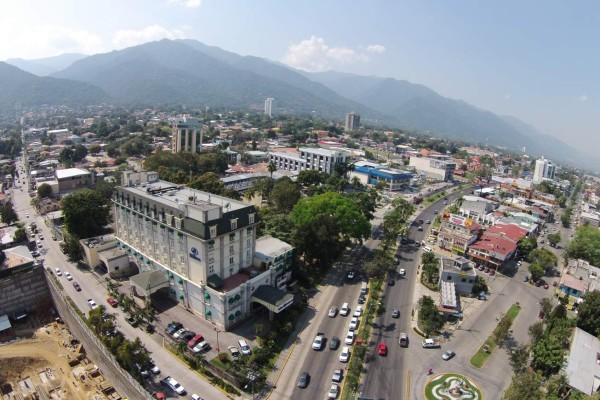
point(272, 167)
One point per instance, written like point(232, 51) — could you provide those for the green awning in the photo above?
point(231, 300)
point(148, 262)
point(170, 276)
point(238, 313)
point(181, 297)
point(208, 313)
point(237, 297)
point(231, 317)
point(207, 296)
point(179, 280)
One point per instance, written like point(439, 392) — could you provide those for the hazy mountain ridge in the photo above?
point(46, 66)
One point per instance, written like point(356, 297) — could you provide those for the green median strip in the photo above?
point(485, 351)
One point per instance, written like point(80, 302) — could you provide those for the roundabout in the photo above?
point(452, 386)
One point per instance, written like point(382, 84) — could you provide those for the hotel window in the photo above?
point(178, 223)
point(251, 218)
point(231, 260)
point(211, 246)
point(248, 242)
point(231, 249)
point(234, 224)
point(211, 269)
point(213, 231)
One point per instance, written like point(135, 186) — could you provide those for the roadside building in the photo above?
point(492, 251)
point(73, 178)
point(371, 174)
point(478, 208)
point(583, 363)
point(456, 233)
point(458, 271)
point(307, 158)
point(439, 169)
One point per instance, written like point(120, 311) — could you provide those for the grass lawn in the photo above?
point(480, 357)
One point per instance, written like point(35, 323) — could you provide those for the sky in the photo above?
point(536, 60)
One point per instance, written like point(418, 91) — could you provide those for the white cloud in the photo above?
point(128, 37)
point(375, 48)
point(315, 55)
point(187, 3)
point(583, 98)
point(40, 40)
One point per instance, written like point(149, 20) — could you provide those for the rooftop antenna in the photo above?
point(209, 199)
point(227, 205)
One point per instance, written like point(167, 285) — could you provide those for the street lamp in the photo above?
point(218, 331)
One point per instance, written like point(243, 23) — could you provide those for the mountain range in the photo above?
point(194, 74)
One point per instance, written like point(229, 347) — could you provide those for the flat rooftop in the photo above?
point(270, 247)
point(458, 265)
point(71, 172)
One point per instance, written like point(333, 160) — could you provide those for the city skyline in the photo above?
point(537, 64)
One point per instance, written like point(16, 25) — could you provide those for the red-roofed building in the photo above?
point(492, 251)
point(508, 231)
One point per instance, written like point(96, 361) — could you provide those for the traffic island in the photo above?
point(452, 387)
point(501, 332)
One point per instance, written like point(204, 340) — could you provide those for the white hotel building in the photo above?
point(308, 158)
point(200, 249)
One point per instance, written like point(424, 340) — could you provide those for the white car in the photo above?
point(333, 391)
point(92, 304)
point(337, 376)
point(26, 215)
point(349, 338)
point(353, 323)
point(345, 354)
point(58, 271)
point(173, 384)
point(196, 397)
point(402, 272)
point(68, 276)
point(202, 346)
point(177, 334)
point(333, 312)
point(358, 311)
point(318, 342)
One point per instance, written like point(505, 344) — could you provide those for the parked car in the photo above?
point(345, 354)
point(68, 276)
point(333, 312)
point(173, 384)
point(58, 271)
point(337, 375)
point(353, 324)
point(350, 275)
point(391, 282)
point(334, 343)
point(180, 332)
point(195, 340)
point(395, 313)
point(358, 311)
point(402, 272)
point(349, 338)
point(420, 228)
point(76, 286)
point(333, 391)
point(303, 380)
point(187, 336)
point(382, 349)
point(202, 346)
point(112, 302)
point(92, 304)
point(132, 321)
point(173, 327)
point(448, 355)
point(362, 299)
point(235, 352)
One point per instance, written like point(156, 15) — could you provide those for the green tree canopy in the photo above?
point(85, 212)
point(429, 319)
point(586, 245)
point(526, 245)
point(526, 385)
point(554, 238)
point(8, 213)
point(588, 317)
point(548, 355)
point(284, 195)
point(208, 182)
point(311, 177)
point(395, 221)
point(44, 191)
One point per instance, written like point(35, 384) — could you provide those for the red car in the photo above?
point(195, 340)
point(112, 302)
point(382, 349)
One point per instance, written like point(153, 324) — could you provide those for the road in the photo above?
point(93, 287)
point(386, 375)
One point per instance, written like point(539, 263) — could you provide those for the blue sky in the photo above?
point(536, 60)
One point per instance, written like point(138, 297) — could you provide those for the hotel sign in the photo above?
point(458, 220)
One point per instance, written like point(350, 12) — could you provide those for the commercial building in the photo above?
point(372, 174)
point(492, 251)
point(458, 271)
point(200, 249)
point(583, 363)
point(544, 169)
point(270, 106)
point(307, 158)
point(72, 179)
point(187, 135)
point(478, 208)
point(439, 169)
point(456, 233)
point(352, 122)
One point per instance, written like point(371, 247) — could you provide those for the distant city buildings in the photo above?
point(317, 159)
point(352, 122)
point(434, 168)
point(372, 174)
point(544, 170)
point(187, 135)
point(270, 107)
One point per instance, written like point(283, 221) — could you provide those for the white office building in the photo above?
point(544, 170)
point(352, 122)
point(308, 158)
point(199, 249)
point(187, 135)
point(434, 168)
point(270, 106)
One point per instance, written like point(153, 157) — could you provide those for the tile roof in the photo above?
point(494, 244)
point(510, 230)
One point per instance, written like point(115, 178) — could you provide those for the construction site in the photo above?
point(50, 364)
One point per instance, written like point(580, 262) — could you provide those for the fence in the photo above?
point(120, 379)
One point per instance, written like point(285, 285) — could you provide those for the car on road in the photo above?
point(420, 228)
point(334, 343)
point(196, 397)
point(448, 355)
point(76, 286)
point(435, 211)
point(235, 352)
point(202, 346)
point(303, 380)
point(26, 215)
point(382, 349)
point(68, 276)
point(132, 321)
point(113, 303)
point(92, 304)
point(173, 384)
point(58, 271)
point(428, 222)
point(403, 340)
point(362, 299)
point(319, 341)
point(53, 237)
point(350, 275)
point(333, 312)
point(333, 391)
point(195, 340)
point(395, 313)
point(526, 278)
point(337, 376)
point(358, 311)
point(402, 272)
point(391, 282)
point(353, 324)
point(345, 354)
point(349, 338)
point(41, 237)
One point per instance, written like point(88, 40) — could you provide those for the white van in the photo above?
point(345, 310)
point(364, 287)
point(427, 249)
point(244, 347)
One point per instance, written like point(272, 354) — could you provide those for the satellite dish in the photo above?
point(227, 205)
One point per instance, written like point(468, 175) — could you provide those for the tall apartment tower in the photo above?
point(270, 106)
point(544, 169)
point(352, 122)
point(187, 135)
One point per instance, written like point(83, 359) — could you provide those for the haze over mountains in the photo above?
point(191, 73)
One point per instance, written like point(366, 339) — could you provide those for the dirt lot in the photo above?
point(42, 362)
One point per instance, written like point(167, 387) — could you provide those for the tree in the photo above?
point(544, 258)
point(526, 385)
point(272, 167)
point(95, 149)
point(366, 202)
point(208, 182)
point(8, 214)
point(85, 212)
point(502, 331)
point(79, 153)
point(526, 245)
point(430, 319)
point(536, 332)
point(536, 272)
point(71, 247)
point(378, 265)
point(548, 355)
point(20, 235)
point(44, 191)
point(319, 239)
point(554, 239)
point(395, 221)
point(285, 195)
point(588, 317)
point(586, 245)
point(480, 285)
point(277, 225)
point(518, 358)
point(311, 177)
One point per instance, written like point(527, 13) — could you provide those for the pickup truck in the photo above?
point(431, 343)
point(318, 342)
